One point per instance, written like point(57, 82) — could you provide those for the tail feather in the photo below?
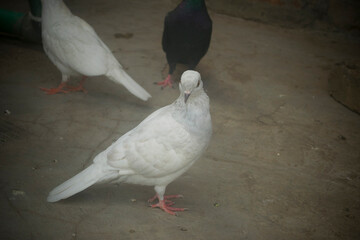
point(78, 183)
point(118, 75)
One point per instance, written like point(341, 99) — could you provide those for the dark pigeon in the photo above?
point(186, 36)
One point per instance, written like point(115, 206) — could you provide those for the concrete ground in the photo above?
point(283, 163)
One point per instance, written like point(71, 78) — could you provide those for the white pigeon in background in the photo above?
point(74, 47)
point(160, 149)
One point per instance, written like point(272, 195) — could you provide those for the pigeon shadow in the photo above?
point(111, 194)
point(14, 41)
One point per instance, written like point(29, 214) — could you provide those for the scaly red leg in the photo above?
point(166, 82)
point(52, 91)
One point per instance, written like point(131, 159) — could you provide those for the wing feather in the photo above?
point(158, 146)
point(78, 47)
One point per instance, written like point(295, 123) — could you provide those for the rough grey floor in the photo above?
point(284, 160)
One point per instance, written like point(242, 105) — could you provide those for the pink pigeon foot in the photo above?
point(166, 207)
point(166, 82)
point(79, 88)
point(52, 91)
point(166, 204)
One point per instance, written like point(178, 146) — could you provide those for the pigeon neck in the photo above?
point(194, 115)
point(194, 110)
point(54, 8)
point(193, 4)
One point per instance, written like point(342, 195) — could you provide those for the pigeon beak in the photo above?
point(187, 95)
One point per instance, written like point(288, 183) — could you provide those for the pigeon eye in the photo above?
point(198, 84)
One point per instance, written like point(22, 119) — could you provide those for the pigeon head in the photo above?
point(190, 84)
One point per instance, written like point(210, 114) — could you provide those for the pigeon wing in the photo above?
point(157, 147)
point(165, 37)
point(76, 45)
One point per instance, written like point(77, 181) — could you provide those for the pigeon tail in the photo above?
point(78, 183)
point(120, 76)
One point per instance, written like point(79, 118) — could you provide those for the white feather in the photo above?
point(75, 48)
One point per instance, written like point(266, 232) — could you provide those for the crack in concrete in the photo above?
point(262, 118)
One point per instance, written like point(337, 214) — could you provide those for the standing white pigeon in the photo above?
point(75, 49)
point(160, 149)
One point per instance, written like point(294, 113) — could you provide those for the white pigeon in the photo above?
point(156, 152)
point(75, 49)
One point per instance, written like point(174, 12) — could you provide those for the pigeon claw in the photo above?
point(53, 91)
point(166, 204)
point(166, 82)
point(167, 207)
point(60, 88)
point(79, 88)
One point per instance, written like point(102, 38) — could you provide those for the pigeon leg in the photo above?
point(52, 91)
point(153, 198)
point(79, 88)
point(166, 82)
point(166, 198)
